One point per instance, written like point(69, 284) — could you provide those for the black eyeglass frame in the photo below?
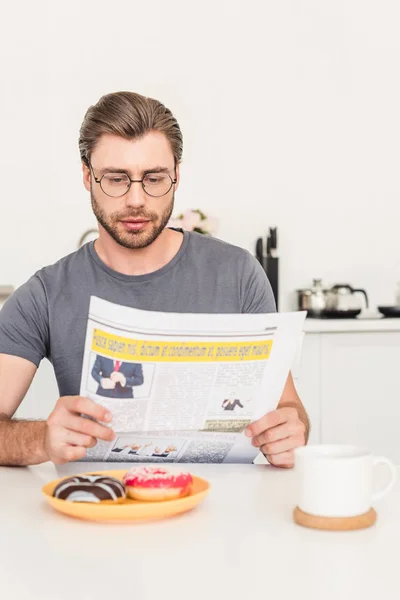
point(173, 181)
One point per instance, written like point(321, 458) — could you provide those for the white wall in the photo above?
point(290, 114)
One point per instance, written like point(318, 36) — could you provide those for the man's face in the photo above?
point(136, 219)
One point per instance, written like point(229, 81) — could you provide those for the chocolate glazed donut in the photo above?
point(90, 488)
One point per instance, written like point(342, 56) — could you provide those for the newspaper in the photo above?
point(184, 387)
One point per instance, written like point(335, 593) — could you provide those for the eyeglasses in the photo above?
point(118, 184)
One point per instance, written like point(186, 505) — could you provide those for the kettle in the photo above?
point(342, 298)
point(312, 300)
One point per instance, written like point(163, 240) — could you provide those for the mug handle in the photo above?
point(381, 460)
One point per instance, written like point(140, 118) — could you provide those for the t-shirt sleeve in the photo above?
point(24, 323)
point(257, 295)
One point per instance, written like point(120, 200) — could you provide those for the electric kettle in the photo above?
point(342, 301)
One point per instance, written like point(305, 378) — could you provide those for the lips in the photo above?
point(135, 224)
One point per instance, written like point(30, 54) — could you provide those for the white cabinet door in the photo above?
point(360, 390)
point(42, 395)
point(308, 384)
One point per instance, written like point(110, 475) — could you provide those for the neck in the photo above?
point(138, 261)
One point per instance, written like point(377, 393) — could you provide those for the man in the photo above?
point(115, 378)
point(131, 149)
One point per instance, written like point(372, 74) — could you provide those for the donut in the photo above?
point(153, 484)
point(90, 488)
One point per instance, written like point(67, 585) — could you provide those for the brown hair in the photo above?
point(131, 116)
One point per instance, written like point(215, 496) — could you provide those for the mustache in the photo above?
point(132, 214)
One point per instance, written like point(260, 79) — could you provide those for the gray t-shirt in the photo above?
point(47, 315)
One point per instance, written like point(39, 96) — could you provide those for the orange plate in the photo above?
point(129, 510)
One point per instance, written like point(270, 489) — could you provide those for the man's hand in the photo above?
point(277, 434)
point(69, 435)
point(107, 383)
point(118, 377)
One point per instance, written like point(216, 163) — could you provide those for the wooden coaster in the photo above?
point(334, 523)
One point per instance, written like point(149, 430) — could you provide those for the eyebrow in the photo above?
point(118, 170)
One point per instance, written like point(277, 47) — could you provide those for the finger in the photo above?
point(68, 454)
point(272, 419)
point(89, 427)
point(79, 439)
point(284, 460)
point(280, 432)
point(282, 445)
point(85, 406)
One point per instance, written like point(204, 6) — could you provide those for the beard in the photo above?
point(132, 239)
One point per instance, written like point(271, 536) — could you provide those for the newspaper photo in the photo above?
point(184, 387)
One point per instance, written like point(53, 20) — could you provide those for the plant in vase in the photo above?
point(194, 220)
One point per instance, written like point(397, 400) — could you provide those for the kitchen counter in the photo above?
point(241, 542)
point(358, 324)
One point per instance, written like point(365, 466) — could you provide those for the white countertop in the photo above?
point(351, 325)
point(240, 543)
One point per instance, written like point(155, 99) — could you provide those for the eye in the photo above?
point(115, 178)
point(154, 178)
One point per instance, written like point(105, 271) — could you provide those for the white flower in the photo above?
point(209, 225)
point(191, 220)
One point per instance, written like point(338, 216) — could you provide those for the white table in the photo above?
point(240, 542)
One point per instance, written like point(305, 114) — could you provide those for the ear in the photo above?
point(86, 176)
point(178, 176)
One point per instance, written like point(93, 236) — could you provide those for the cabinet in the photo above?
point(41, 396)
point(350, 385)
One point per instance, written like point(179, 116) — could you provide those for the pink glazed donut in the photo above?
point(153, 484)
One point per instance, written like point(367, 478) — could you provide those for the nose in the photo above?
point(135, 197)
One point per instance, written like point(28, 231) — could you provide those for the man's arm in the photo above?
point(279, 432)
point(24, 342)
point(291, 399)
point(65, 436)
point(21, 442)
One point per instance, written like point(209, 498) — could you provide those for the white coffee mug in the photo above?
point(337, 481)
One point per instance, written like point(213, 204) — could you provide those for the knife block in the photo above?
point(272, 270)
point(267, 257)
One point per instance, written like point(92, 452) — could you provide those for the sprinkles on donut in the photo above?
point(154, 484)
